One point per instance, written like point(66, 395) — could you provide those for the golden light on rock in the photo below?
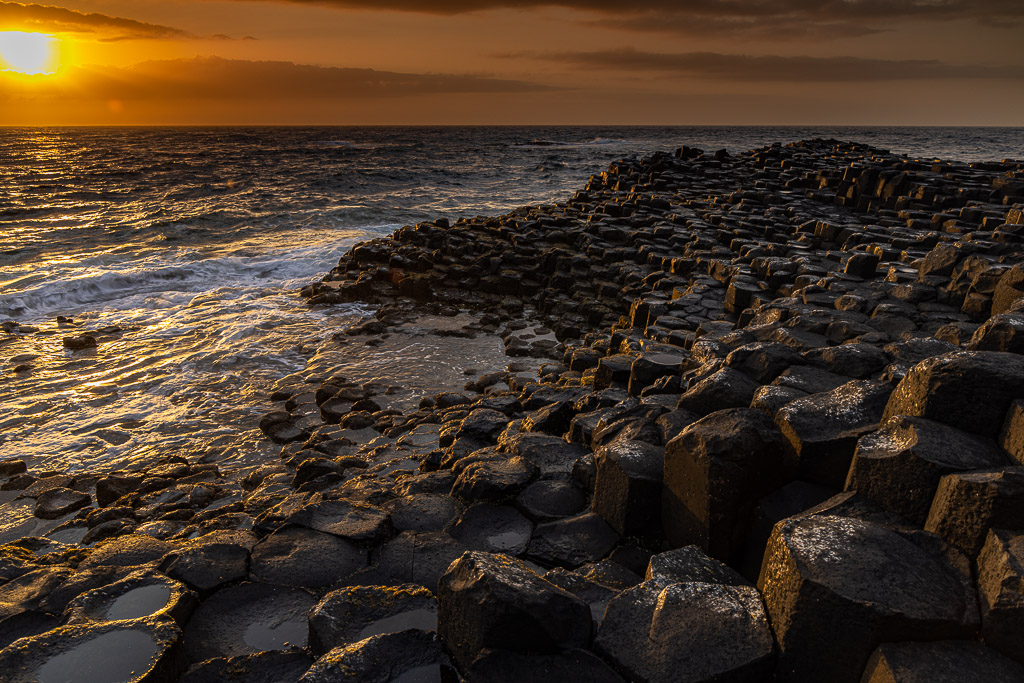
point(28, 53)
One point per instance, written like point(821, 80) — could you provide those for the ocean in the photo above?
point(189, 246)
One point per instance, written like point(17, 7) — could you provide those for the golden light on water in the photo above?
point(28, 53)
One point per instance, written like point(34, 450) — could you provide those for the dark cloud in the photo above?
point(51, 19)
point(774, 19)
point(731, 67)
point(826, 10)
point(213, 78)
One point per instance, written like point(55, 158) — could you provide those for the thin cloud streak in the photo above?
point(213, 78)
point(52, 19)
point(747, 68)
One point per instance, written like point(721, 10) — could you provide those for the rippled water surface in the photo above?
point(184, 249)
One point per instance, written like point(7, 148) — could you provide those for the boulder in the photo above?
point(726, 388)
point(419, 557)
point(207, 567)
point(1003, 332)
point(355, 522)
point(422, 512)
point(1009, 288)
point(247, 619)
point(493, 529)
point(495, 601)
point(715, 471)
point(136, 651)
point(899, 466)
point(946, 660)
point(411, 655)
point(835, 587)
point(571, 666)
point(547, 500)
point(967, 504)
point(296, 556)
point(1012, 436)
point(493, 479)
point(349, 615)
point(684, 624)
point(57, 502)
point(764, 361)
point(1001, 589)
point(262, 667)
point(969, 390)
point(627, 492)
point(572, 542)
point(823, 429)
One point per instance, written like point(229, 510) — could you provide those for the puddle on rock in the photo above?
point(430, 673)
point(424, 619)
point(139, 602)
point(508, 540)
point(264, 636)
point(111, 657)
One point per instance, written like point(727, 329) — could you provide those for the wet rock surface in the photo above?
point(683, 366)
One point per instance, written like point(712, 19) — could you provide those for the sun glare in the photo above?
point(28, 53)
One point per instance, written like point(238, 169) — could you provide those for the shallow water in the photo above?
point(189, 246)
point(107, 658)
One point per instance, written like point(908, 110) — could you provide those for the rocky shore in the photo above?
point(762, 419)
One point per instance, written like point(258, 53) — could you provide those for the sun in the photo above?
point(28, 53)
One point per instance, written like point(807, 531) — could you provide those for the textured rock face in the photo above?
point(899, 466)
point(715, 471)
point(495, 601)
point(937, 389)
point(408, 655)
point(948, 660)
point(835, 587)
point(627, 492)
point(693, 619)
point(349, 615)
point(1001, 588)
point(823, 428)
point(968, 504)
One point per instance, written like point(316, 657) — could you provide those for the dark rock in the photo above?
point(650, 367)
point(419, 557)
point(10, 467)
point(823, 428)
point(551, 419)
point(411, 655)
point(482, 425)
point(793, 498)
point(1009, 288)
point(351, 614)
point(493, 479)
point(1012, 436)
point(967, 504)
point(297, 556)
point(55, 503)
point(947, 660)
point(143, 650)
point(1004, 332)
point(80, 341)
point(493, 529)
point(353, 522)
point(25, 625)
point(553, 457)
point(491, 601)
point(899, 466)
point(127, 551)
point(715, 471)
point(678, 627)
point(764, 361)
point(140, 595)
point(836, 586)
point(856, 360)
point(263, 667)
point(613, 371)
point(247, 619)
point(726, 388)
point(422, 512)
point(573, 541)
point(627, 492)
point(571, 666)
point(547, 500)
point(113, 487)
point(1001, 589)
point(970, 390)
point(207, 567)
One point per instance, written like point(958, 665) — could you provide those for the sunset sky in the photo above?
point(831, 62)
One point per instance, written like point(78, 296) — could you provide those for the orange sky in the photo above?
point(830, 62)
